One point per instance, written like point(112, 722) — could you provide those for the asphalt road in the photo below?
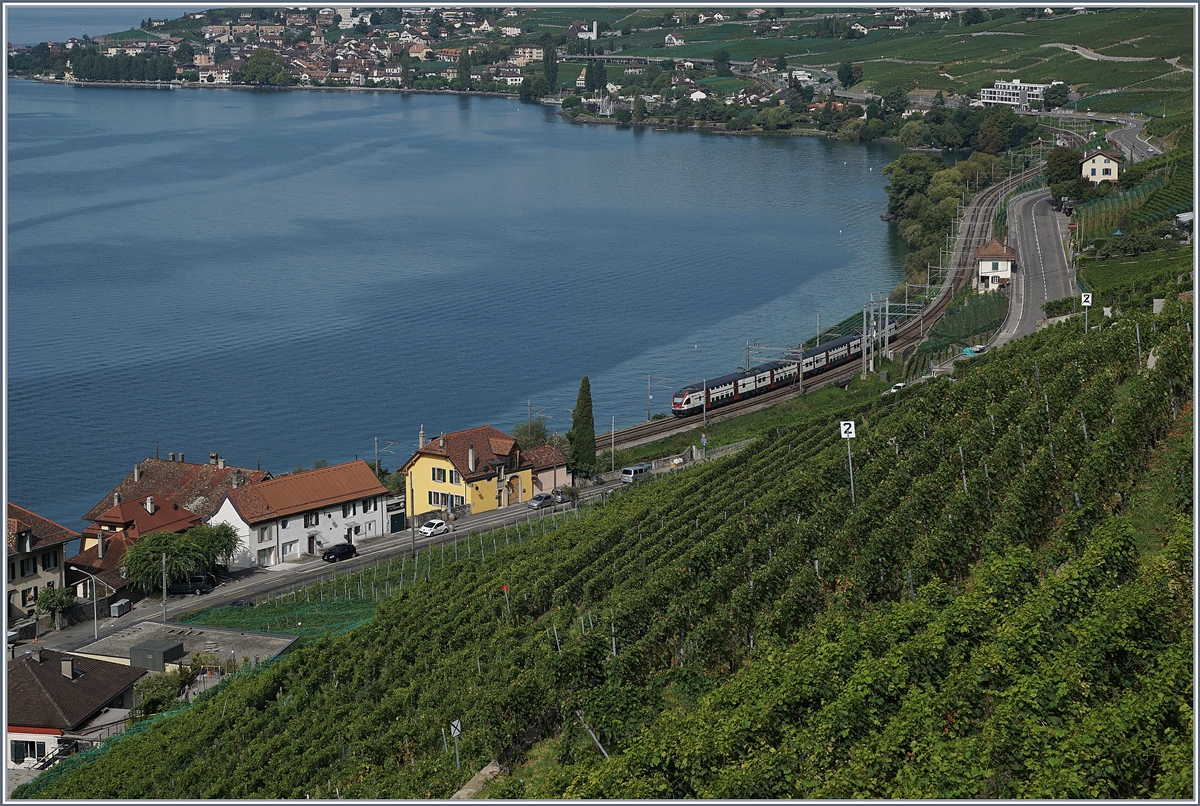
point(1043, 272)
point(1131, 143)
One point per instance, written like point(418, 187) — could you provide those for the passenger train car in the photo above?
point(771, 375)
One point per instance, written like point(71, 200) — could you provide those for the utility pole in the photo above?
point(863, 343)
point(887, 315)
point(612, 452)
point(164, 575)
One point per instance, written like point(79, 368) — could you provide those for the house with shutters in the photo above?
point(35, 558)
point(1101, 165)
point(60, 703)
point(996, 262)
point(286, 518)
point(476, 470)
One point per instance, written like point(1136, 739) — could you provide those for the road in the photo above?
point(1043, 271)
point(1131, 143)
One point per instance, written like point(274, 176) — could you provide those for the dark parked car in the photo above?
point(194, 583)
point(342, 551)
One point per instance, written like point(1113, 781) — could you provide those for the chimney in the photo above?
point(37, 655)
point(220, 462)
point(100, 546)
point(171, 456)
point(181, 456)
point(212, 458)
point(116, 499)
point(237, 478)
point(137, 472)
point(421, 438)
point(442, 441)
point(471, 458)
point(68, 668)
point(150, 504)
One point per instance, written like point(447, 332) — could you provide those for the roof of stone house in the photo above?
point(198, 488)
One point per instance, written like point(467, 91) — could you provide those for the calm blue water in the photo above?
point(282, 277)
point(30, 25)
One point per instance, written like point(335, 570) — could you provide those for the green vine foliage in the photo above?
point(987, 618)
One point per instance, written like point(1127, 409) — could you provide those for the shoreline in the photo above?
point(570, 118)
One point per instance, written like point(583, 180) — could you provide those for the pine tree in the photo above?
point(581, 451)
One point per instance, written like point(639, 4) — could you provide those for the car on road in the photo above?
point(560, 495)
point(339, 551)
point(895, 388)
point(194, 583)
point(434, 527)
point(14, 636)
point(1150, 150)
point(979, 349)
point(541, 500)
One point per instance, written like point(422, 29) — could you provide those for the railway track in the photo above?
point(973, 233)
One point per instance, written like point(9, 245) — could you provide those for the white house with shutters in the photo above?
point(289, 517)
point(1101, 165)
point(996, 262)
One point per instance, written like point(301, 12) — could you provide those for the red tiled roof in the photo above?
point(108, 568)
point(994, 248)
point(45, 531)
point(133, 516)
point(491, 444)
point(544, 457)
point(300, 492)
point(40, 696)
point(195, 487)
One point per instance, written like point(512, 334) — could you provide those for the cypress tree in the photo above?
point(550, 65)
point(464, 69)
point(581, 450)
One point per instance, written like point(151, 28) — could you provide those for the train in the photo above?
point(746, 383)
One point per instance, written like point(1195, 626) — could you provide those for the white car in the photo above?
point(434, 527)
point(895, 388)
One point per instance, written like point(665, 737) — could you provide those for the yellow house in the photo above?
point(1101, 166)
point(480, 467)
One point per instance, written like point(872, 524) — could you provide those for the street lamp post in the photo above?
point(95, 617)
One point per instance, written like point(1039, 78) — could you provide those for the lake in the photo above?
point(282, 277)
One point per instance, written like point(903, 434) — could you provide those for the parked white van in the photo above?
point(631, 474)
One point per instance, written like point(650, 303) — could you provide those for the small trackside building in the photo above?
point(1101, 165)
point(285, 518)
point(996, 262)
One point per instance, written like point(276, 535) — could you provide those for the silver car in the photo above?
point(541, 500)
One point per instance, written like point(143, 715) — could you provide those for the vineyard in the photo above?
point(1176, 196)
point(1130, 283)
point(1000, 606)
point(1103, 217)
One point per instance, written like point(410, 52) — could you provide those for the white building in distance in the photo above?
point(1013, 93)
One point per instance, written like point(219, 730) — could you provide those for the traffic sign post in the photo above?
point(847, 429)
point(1085, 299)
point(455, 729)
